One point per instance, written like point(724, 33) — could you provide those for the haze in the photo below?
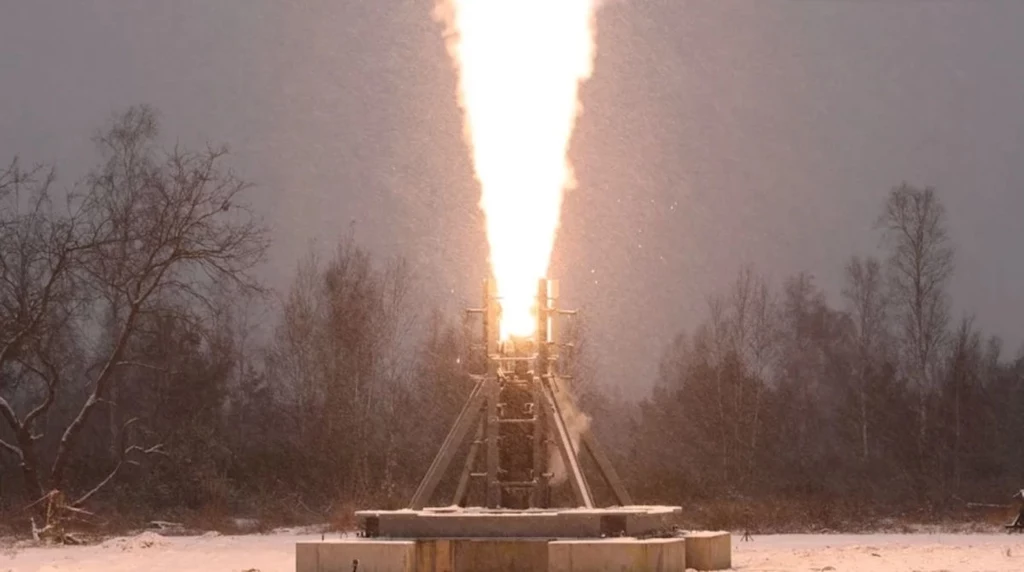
point(714, 134)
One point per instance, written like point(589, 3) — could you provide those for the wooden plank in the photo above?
point(569, 457)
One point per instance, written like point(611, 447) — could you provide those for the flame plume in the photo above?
point(520, 64)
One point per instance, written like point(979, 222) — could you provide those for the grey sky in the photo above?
point(715, 133)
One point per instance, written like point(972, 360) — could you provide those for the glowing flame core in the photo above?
point(520, 64)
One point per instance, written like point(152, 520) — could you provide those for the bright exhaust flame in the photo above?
point(520, 64)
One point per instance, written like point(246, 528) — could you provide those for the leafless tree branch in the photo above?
point(146, 232)
point(10, 448)
point(123, 458)
point(141, 365)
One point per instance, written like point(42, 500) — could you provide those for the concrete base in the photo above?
point(361, 555)
point(457, 522)
point(709, 550)
point(617, 554)
point(537, 540)
point(485, 555)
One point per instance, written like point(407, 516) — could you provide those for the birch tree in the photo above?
point(920, 266)
point(866, 302)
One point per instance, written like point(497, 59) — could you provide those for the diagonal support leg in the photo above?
point(604, 464)
point(607, 469)
point(467, 470)
point(570, 458)
point(451, 443)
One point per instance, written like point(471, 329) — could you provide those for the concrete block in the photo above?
point(342, 556)
point(618, 554)
point(434, 555)
point(709, 550)
point(497, 523)
point(307, 557)
point(487, 525)
point(493, 555)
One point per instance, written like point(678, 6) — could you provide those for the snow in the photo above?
point(155, 553)
point(890, 552)
point(276, 553)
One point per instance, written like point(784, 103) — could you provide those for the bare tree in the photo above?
point(715, 339)
point(800, 360)
point(920, 266)
point(865, 296)
point(338, 352)
point(754, 339)
point(40, 250)
point(966, 360)
point(148, 234)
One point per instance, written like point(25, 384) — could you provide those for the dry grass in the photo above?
point(761, 516)
point(343, 518)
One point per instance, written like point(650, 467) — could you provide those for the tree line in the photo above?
point(135, 383)
point(884, 403)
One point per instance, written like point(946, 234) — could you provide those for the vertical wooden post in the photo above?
point(492, 327)
point(491, 333)
point(538, 492)
point(493, 486)
point(551, 326)
point(542, 369)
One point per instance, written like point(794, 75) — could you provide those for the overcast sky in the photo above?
point(715, 133)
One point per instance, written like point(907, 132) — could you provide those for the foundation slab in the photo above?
point(497, 555)
point(618, 554)
point(709, 550)
point(472, 555)
point(535, 523)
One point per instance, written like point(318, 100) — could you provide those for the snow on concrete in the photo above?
point(276, 553)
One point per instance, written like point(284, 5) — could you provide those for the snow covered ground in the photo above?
point(882, 552)
point(789, 552)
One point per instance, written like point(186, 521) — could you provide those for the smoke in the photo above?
point(576, 422)
point(520, 64)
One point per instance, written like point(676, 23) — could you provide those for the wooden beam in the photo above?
point(569, 456)
point(493, 488)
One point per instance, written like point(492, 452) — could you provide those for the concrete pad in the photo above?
point(618, 554)
point(698, 550)
point(532, 523)
point(492, 555)
point(362, 555)
point(709, 550)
